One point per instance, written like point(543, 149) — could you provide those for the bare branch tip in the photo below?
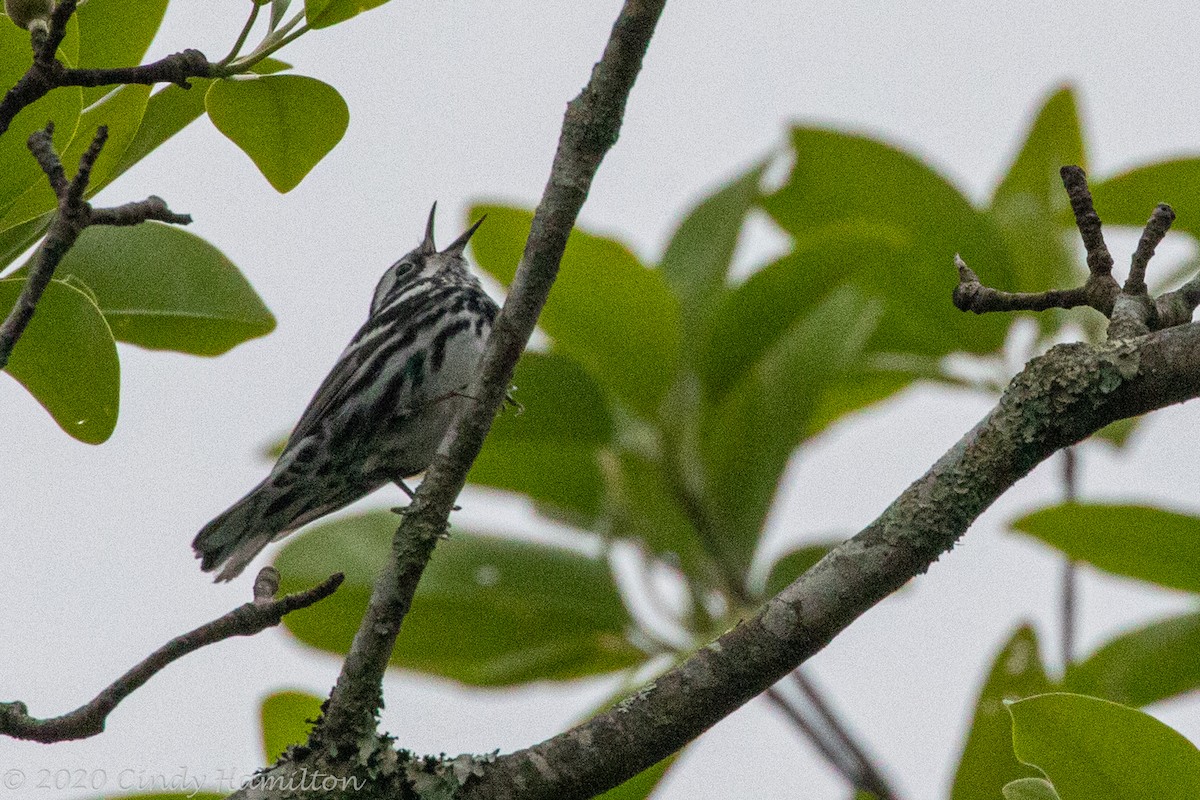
point(266, 585)
point(965, 273)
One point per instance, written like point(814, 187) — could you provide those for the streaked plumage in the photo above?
point(382, 412)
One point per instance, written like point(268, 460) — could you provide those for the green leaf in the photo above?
point(856, 392)
point(323, 13)
point(696, 262)
point(1030, 202)
point(122, 112)
point(748, 436)
point(164, 288)
point(1130, 197)
point(287, 719)
point(1152, 663)
point(1117, 433)
point(987, 761)
point(607, 310)
point(488, 612)
point(285, 123)
point(115, 33)
point(550, 448)
point(1092, 749)
point(67, 359)
point(189, 795)
point(841, 181)
point(793, 564)
point(20, 170)
point(1136, 541)
point(644, 507)
point(758, 314)
point(15, 242)
point(1030, 789)
point(642, 785)
point(172, 109)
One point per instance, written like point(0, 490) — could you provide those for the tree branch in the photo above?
point(1060, 398)
point(590, 127)
point(88, 720)
point(47, 73)
point(74, 215)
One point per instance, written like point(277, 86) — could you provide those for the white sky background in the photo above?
point(457, 101)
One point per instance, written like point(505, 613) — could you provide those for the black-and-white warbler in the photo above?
point(381, 414)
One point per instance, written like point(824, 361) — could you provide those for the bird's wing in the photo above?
point(333, 387)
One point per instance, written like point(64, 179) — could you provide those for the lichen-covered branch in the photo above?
point(1060, 398)
point(88, 720)
point(74, 215)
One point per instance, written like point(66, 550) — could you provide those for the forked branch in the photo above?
point(74, 215)
point(1130, 308)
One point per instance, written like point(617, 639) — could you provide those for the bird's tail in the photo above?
point(240, 533)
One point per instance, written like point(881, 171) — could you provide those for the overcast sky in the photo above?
point(459, 101)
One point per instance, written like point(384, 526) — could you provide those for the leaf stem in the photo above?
point(268, 46)
point(241, 40)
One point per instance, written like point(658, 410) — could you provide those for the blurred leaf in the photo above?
point(115, 33)
point(697, 259)
point(67, 359)
point(1152, 663)
point(1030, 202)
point(1150, 544)
point(323, 13)
point(62, 105)
point(607, 310)
point(550, 448)
point(122, 112)
point(1130, 197)
point(987, 762)
point(189, 795)
point(172, 109)
point(285, 123)
point(760, 312)
point(645, 508)
point(1030, 789)
point(841, 181)
point(1091, 749)
point(853, 393)
point(286, 721)
point(488, 612)
point(793, 564)
point(163, 288)
point(747, 438)
point(1117, 433)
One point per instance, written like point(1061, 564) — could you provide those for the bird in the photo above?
point(382, 413)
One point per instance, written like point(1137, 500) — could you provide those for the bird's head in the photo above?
point(425, 262)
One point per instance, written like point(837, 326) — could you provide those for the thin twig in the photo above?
point(1156, 228)
point(835, 758)
point(590, 128)
point(88, 720)
point(1070, 575)
point(1099, 260)
point(73, 216)
point(870, 777)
